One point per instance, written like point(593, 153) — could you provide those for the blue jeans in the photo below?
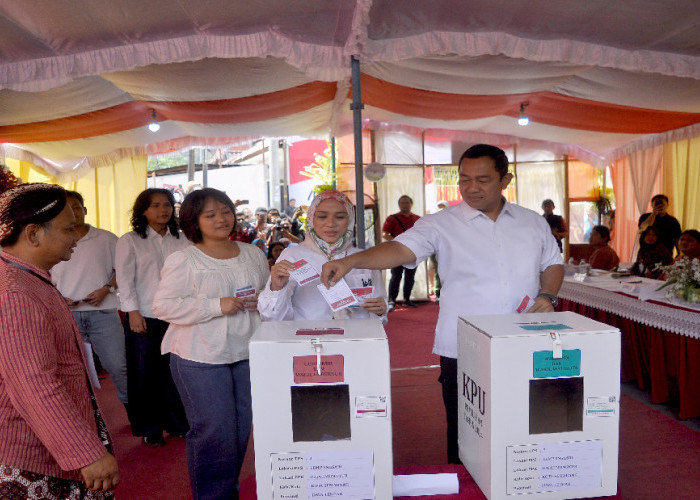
point(103, 330)
point(217, 402)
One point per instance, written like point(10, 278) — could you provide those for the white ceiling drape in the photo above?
point(602, 79)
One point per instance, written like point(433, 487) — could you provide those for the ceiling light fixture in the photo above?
point(154, 126)
point(523, 120)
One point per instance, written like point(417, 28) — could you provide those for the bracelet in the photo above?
point(552, 298)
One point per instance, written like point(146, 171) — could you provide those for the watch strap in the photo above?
point(552, 298)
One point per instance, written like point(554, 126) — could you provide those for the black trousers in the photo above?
point(448, 379)
point(154, 403)
point(408, 280)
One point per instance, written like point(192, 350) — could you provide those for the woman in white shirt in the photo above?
point(208, 292)
point(154, 404)
point(329, 237)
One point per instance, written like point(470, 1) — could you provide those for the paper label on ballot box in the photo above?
point(343, 475)
point(545, 365)
point(548, 467)
point(306, 369)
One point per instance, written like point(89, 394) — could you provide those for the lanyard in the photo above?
point(24, 268)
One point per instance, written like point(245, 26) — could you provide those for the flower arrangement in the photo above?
point(322, 170)
point(683, 279)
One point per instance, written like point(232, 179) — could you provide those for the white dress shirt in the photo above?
point(138, 263)
point(90, 267)
point(486, 267)
point(305, 302)
point(188, 298)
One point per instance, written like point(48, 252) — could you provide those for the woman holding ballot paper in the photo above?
point(294, 290)
point(208, 292)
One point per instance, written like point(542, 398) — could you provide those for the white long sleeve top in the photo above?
point(138, 262)
point(295, 302)
point(188, 298)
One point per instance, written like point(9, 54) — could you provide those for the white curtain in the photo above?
point(644, 167)
point(397, 182)
point(398, 148)
point(540, 181)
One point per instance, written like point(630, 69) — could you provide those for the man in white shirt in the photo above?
point(493, 255)
point(87, 284)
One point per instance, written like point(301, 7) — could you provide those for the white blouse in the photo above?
point(138, 262)
point(295, 302)
point(188, 298)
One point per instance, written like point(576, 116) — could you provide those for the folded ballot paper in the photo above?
point(414, 485)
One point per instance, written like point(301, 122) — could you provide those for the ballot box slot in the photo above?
point(320, 412)
point(556, 405)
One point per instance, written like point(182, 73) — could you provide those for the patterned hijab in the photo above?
point(330, 250)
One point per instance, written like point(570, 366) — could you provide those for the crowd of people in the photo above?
point(170, 306)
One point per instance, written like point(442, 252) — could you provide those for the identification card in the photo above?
point(244, 291)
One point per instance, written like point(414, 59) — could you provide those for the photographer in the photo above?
point(282, 227)
point(667, 225)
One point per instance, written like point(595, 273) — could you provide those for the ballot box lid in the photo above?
point(328, 330)
point(517, 325)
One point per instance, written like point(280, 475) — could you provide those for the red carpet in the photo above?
point(411, 333)
point(659, 457)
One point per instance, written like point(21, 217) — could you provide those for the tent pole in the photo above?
point(333, 160)
point(357, 107)
point(190, 165)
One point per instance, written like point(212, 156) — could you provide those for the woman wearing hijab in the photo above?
point(260, 243)
point(329, 237)
point(651, 252)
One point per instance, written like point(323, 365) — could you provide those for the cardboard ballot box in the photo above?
point(322, 410)
point(539, 405)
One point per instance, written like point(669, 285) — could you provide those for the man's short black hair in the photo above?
point(603, 231)
point(659, 197)
point(496, 154)
point(406, 196)
point(76, 195)
point(547, 202)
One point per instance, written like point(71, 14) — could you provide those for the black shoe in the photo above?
point(409, 303)
point(391, 307)
point(154, 441)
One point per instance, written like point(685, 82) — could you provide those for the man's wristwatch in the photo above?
point(109, 287)
point(552, 298)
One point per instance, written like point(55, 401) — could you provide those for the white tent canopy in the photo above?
point(600, 79)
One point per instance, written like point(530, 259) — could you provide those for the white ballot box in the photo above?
point(539, 405)
point(322, 410)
